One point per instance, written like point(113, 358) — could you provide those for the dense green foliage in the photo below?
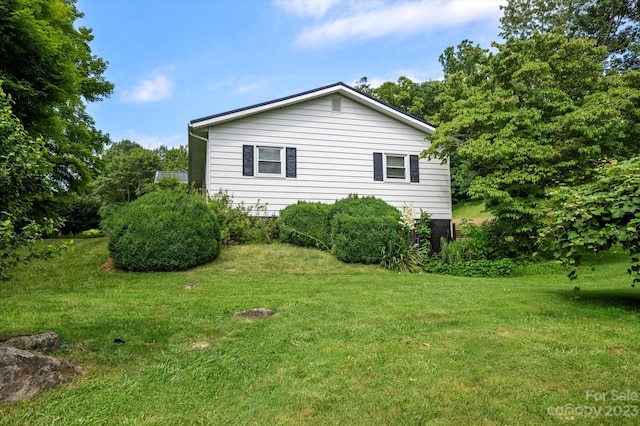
point(81, 214)
point(543, 115)
point(49, 143)
point(163, 231)
point(596, 216)
point(361, 227)
point(25, 182)
point(241, 224)
point(420, 100)
point(614, 24)
point(305, 224)
point(129, 173)
point(48, 68)
point(172, 159)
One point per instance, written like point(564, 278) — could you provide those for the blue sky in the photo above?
point(176, 60)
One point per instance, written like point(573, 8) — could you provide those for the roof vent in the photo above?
point(335, 105)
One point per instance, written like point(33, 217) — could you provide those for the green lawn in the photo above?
point(472, 211)
point(348, 345)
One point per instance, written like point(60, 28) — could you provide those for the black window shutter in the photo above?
point(414, 169)
point(291, 163)
point(247, 160)
point(377, 166)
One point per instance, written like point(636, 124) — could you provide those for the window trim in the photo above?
point(282, 162)
point(404, 167)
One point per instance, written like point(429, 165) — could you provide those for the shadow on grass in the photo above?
point(627, 299)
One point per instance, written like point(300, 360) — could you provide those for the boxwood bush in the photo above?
point(305, 224)
point(163, 231)
point(362, 227)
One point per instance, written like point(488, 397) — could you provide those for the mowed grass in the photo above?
point(349, 344)
point(471, 211)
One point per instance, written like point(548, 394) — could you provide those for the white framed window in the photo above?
point(269, 161)
point(395, 167)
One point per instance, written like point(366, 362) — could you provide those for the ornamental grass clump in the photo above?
point(166, 230)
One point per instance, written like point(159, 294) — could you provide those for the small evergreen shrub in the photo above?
point(305, 224)
point(362, 206)
point(361, 229)
point(163, 231)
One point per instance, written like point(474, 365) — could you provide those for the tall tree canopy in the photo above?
point(24, 181)
point(614, 24)
point(129, 172)
point(47, 67)
point(173, 159)
point(543, 115)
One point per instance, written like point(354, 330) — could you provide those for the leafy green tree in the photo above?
point(543, 116)
point(48, 68)
point(465, 66)
point(417, 99)
point(595, 216)
point(128, 173)
point(467, 59)
point(24, 181)
point(614, 24)
point(173, 159)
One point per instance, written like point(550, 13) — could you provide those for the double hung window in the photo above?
point(269, 161)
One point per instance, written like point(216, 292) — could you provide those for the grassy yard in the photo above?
point(471, 211)
point(348, 345)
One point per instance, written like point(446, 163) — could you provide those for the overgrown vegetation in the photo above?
point(163, 231)
point(25, 182)
point(597, 216)
point(242, 224)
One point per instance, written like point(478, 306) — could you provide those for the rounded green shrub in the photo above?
point(166, 230)
point(362, 227)
point(305, 224)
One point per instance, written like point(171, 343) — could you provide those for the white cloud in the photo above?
point(400, 19)
point(249, 87)
point(153, 142)
point(417, 75)
point(314, 8)
point(150, 90)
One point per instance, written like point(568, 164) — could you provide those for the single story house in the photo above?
point(320, 146)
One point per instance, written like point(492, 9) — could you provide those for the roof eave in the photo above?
point(341, 88)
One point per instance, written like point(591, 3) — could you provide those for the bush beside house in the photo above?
point(163, 231)
point(305, 224)
point(361, 227)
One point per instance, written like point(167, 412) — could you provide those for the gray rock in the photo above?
point(42, 342)
point(24, 374)
point(255, 313)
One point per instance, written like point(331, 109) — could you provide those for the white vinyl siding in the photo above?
point(333, 157)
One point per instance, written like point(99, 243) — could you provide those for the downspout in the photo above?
point(198, 137)
point(205, 140)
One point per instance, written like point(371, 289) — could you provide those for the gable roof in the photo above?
point(337, 88)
